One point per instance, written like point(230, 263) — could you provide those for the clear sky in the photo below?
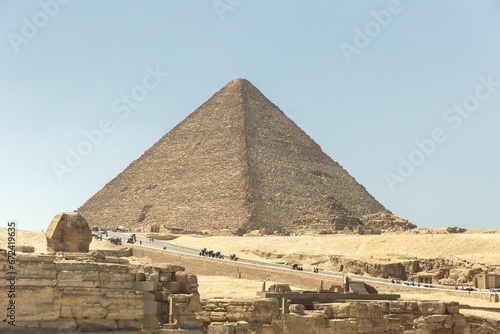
point(405, 95)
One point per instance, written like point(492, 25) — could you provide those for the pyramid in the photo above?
point(326, 216)
point(236, 161)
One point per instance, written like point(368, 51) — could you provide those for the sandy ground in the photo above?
point(480, 247)
point(230, 287)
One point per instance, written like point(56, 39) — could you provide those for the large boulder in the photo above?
point(68, 232)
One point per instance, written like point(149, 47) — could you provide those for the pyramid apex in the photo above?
point(239, 81)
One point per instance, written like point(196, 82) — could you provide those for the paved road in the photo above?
point(171, 247)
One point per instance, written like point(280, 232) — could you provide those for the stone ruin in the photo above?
point(68, 232)
point(98, 292)
point(273, 316)
point(104, 291)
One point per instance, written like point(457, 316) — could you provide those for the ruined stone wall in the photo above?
point(256, 313)
point(396, 317)
point(54, 292)
point(68, 292)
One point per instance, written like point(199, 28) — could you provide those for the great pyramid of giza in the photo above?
point(236, 161)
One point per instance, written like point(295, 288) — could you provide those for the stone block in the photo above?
point(452, 308)
point(87, 325)
point(130, 324)
point(145, 286)
point(151, 321)
point(155, 296)
point(189, 322)
point(180, 331)
point(165, 277)
point(338, 311)
point(152, 308)
point(338, 325)
point(364, 325)
point(459, 320)
point(38, 304)
point(37, 270)
point(218, 316)
point(76, 277)
point(170, 268)
point(126, 305)
point(394, 322)
point(154, 277)
point(140, 277)
point(84, 303)
point(114, 276)
point(24, 249)
point(172, 286)
point(194, 303)
point(204, 316)
point(296, 308)
point(59, 325)
point(21, 326)
point(165, 307)
point(380, 325)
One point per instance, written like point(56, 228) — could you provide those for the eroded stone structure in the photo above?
point(393, 317)
point(68, 232)
point(72, 292)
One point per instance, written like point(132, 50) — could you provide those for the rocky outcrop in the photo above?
point(480, 325)
point(396, 317)
point(68, 232)
point(233, 310)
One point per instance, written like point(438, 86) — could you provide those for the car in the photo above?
point(495, 290)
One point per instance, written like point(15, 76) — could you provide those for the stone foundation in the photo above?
point(394, 317)
point(93, 292)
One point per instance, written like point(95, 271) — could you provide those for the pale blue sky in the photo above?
point(364, 79)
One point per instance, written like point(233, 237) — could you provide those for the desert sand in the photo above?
point(481, 248)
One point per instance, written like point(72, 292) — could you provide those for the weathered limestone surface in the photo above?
point(68, 232)
point(68, 292)
point(232, 310)
point(395, 317)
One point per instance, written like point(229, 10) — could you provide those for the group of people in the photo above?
point(211, 253)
